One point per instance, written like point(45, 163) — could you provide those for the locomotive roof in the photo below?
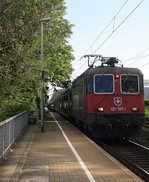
point(109, 70)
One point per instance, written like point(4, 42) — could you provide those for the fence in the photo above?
point(10, 129)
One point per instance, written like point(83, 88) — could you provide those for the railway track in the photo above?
point(131, 154)
point(146, 124)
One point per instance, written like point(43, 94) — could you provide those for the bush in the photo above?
point(146, 103)
point(12, 106)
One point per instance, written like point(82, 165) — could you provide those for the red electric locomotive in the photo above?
point(107, 101)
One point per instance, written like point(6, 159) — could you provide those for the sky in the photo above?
point(129, 41)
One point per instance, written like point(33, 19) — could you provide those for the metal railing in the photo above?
point(10, 129)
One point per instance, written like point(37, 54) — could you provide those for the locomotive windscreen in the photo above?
point(130, 84)
point(104, 84)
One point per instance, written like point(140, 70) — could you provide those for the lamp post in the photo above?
point(42, 75)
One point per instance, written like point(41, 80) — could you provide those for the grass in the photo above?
point(147, 111)
point(146, 115)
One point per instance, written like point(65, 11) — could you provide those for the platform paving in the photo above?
point(12, 162)
point(49, 157)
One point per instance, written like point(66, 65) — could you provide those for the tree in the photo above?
point(20, 51)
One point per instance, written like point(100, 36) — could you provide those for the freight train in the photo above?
point(107, 101)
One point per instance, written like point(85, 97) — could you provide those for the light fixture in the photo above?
point(135, 109)
point(100, 109)
point(117, 76)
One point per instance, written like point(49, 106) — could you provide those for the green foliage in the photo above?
point(20, 52)
point(147, 103)
point(147, 111)
point(147, 108)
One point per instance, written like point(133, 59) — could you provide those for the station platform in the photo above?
point(60, 154)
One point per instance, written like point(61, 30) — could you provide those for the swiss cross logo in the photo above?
point(117, 101)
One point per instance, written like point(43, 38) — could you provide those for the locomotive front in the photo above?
point(114, 101)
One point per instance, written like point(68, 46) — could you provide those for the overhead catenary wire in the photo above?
point(143, 65)
point(138, 55)
point(112, 20)
point(114, 30)
point(78, 69)
point(139, 59)
point(76, 62)
point(118, 26)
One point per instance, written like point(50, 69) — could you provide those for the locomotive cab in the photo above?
point(114, 101)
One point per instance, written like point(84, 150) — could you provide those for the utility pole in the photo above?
point(42, 75)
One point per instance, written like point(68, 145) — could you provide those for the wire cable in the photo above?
point(114, 30)
point(79, 69)
point(137, 55)
point(118, 26)
point(143, 65)
point(113, 19)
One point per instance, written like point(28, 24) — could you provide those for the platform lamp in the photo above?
point(43, 20)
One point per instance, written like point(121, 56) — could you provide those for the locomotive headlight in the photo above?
point(117, 76)
point(100, 109)
point(135, 109)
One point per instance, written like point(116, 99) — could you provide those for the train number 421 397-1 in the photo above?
point(118, 109)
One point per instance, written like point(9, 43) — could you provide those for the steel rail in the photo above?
point(137, 169)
